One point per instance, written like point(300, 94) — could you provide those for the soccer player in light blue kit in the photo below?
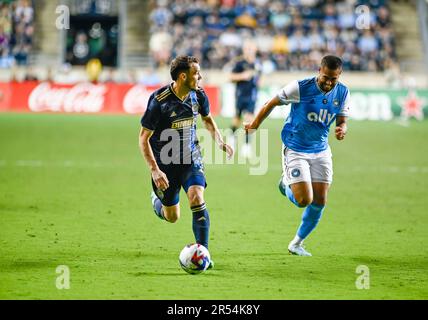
point(306, 156)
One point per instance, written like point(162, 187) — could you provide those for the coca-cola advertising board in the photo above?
point(83, 97)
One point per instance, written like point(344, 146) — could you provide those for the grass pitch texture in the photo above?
point(74, 191)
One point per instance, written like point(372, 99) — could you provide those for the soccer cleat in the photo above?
point(298, 250)
point(232, 141)
point(282, 187)
point(153, 198)
point(211, 266)
point(246, 151)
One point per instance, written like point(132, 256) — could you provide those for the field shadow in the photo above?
point(16, 265)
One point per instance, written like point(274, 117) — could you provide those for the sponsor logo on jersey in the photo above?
point(323, 116)
point(181, 124)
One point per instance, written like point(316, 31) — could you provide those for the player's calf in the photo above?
point(201, 217)
point(201, 224)
point(310, 218)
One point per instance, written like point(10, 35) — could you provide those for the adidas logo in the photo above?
point(173, 114)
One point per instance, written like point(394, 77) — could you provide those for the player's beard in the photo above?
point(326, 88)
point(192, 85)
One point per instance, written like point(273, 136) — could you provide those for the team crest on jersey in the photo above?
point(195, 108)
point(295, 173)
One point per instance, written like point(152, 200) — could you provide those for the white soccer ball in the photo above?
point(194, 258)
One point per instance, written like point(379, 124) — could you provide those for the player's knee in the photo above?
point(304, 201)
point(172, 217)
point(196, 199)
point(320, 201)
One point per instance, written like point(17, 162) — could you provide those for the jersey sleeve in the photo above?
point(152, 115)
point(290, 93)
point(344, 111)
point(204, 103)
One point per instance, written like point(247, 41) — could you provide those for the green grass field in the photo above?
point(74, 191)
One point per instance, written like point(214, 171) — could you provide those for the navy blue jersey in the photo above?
point(173, 122)
point(247, 90)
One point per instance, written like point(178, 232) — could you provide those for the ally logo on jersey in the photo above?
point(323, 116)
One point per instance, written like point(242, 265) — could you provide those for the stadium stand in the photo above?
point(291, 34)
point(16, 32)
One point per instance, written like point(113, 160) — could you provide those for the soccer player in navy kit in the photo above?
point(246, 74)
point(170, 146)
point(306, 156)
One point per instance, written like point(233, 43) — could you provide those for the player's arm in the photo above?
point(211, 126)
point(341, 127)
point(263, 114)
point(242, 76)
point(289, 94)
point(146, 149)
point(159, 178)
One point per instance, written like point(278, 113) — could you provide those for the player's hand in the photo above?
point(228, 149)
point(340, 133)
point(250, 127)
point(249, 74)
point(160, 179)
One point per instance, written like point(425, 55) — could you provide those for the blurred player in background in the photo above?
point(306, 155)
point(171, 149)
point(246, 74)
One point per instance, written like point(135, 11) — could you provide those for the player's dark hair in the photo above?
point(332, 62)
point(181, 64)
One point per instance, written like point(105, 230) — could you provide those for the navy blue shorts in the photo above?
point(245, 106)
point(179, 176)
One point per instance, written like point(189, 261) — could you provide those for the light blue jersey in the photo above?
point(312, 112)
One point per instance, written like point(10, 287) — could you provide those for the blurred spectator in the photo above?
point(392, 74)
point(94, 68)
point(30, 75)
point(290, 34)
point(24, 12)
point(80, 49)
point(149, 78)
point(367, 43)
point(65, 75)
point(16, 32)
point(160, 47)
